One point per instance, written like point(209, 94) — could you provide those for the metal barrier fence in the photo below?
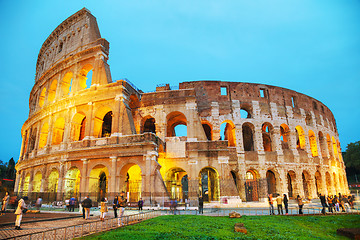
point(88, 228)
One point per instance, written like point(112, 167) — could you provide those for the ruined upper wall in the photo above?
point(70, 37)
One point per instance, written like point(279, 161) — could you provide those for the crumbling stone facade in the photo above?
point(91, 135)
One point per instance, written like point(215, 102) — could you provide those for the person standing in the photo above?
point(72, 204)
point(87, 204)
point(300, 204)
point(286, 204)
point(271, 204)
point(122, 205)
point(103, 209)
point(38, 203)
point(116, 205)
point(21, 208)
point(323, 202)
point(201, 205)
point(5, 202)
point(330, 203)
point(279, 202)
point(140, 204)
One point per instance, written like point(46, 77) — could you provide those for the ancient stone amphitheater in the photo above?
point(89, 135)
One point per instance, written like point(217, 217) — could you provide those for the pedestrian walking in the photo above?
point(271, 204)
point(20, 210)
point(140, 204)
point(300, 204)
point(323, 202)
point(103, 209)
point(201, 205)
point(38, 203)
point(122, 205)
point(286, 204)
point(116, 205)
point(279, 202)
point(72, 204)
point(87, 204)
point(5, 202)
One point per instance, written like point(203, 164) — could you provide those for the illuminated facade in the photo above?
point(87, 134)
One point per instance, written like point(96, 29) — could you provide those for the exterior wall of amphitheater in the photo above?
point(94, 135)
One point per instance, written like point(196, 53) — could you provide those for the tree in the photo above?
point(352, 161)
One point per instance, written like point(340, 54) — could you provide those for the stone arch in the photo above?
point(58, 131)
point(227, 129)
point(66, 84)
point(72, 182)
point(252, 185)
point(245, 110)
point(44, 132)
point(284, 136)
point(173, 120)
point(177, 184)
point(318, 183)
point(99, 129)
point(306, 184)
point(42, 97)
point(300, 137)
point(271, 182)
point(37, 182)
point(248, 136)
point(209, 184)
point(53, 181)
point(208, 130)
point(32, 139)
point(78, 125)
point(134, 101)
point(85, 76)
point(98, 182)
point(313, 144)
point(131, 181)
point(148, 125)
point(267, 130)
point(334, 147)
point(291, 178)
point(328, 141)
point(52, 91)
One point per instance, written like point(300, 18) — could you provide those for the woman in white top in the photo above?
point(19, 212)
point(5, 202)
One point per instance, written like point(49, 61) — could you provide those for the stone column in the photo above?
point(116, 116)
point(67, 131)
point(60, 182)
point(84, 183)
point(215, 115)
point(89, 127)
point(113, 175)
point(17, 180)
point(239, 138)
point(50, 134)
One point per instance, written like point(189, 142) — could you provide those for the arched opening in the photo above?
point(85, 76)
point(26, 185)
point(58, 131)
point(308, 119)
point(266, 135)
point(339, 150)
point(98, 182)
point(328, 141)
point(32, 139)
point(306, 182)
point(66, 84)
point(335, 148)
point(177, 184)
point(133, 183)
point(43, 135)
point(149, 125)
point(318, 185)
point(245, 113)
point(251, 186)
point(72, 183)
point(175, 119)
point(328, 183)
point(209, 184)
point(227, 132)
point(336, 185)
point(53, 181)
point(300, 138)
point(42, 97)
point(207, 130)
point(78, 127)
point(37, 182)
point(248, 136)
point(290, 180)
point(284, 136)
point(106, 125)
point(52, 90)
point(313, 144)
point(271, 182)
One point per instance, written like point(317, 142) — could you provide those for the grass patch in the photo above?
point(259, 227)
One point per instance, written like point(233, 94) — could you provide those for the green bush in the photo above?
point(259, 227)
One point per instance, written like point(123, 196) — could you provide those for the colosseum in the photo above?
point(225, 141)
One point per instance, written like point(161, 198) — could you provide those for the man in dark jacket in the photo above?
point(323, 203)
point(87, 204)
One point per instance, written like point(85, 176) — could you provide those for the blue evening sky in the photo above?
point(312, 47)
